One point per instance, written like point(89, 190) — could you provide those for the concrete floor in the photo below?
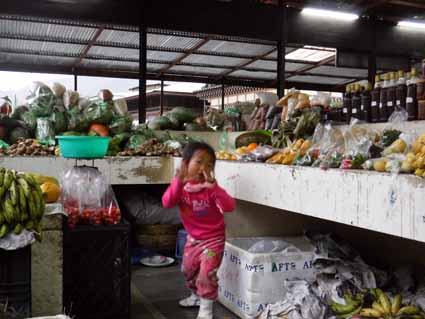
point(155, 293)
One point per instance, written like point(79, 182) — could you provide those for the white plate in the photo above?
point(157, 261)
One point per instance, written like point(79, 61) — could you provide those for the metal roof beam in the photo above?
point(184, 56)
point(242, 65)
point(89, 45)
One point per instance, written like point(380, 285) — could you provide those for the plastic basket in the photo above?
point(83, 146)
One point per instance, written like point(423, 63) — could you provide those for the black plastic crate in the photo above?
point(15, 279)
point(96, 271)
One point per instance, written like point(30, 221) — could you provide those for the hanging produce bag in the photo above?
point(121, 124)
point(88, 198)
point(77, 121)
point(41, 100)
point(45, 132)
point(30, 120)
point(100, 112)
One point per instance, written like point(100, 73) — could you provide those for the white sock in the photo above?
point(191, 301)
point(206, 309)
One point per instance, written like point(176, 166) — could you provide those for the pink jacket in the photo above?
point(201, 212)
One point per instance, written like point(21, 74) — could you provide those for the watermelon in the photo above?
point(184, 115)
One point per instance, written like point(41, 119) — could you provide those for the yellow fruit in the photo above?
point(51, 192)
point(419, 172)
point(410, 156)
point(379, 165)
point(41, 179)
point(406, 167)
point(305, 146)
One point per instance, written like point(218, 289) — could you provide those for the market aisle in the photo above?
point(155, 293)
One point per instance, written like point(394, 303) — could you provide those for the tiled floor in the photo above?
point(156, 291)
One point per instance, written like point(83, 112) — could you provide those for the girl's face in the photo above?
point(200, 162)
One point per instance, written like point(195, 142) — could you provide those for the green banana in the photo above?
point(18, 229)
point(13, 193)
point(384, 300)
point(369, 312)
point(22, 198)
point(343, 309)
point(25, 186)
point(2, 219)
point(29, 225)
point(4, 229)
point(353, 313)
point(32, 208)
point(409, 310)
point(8, 209)
point(396, 304)
point(2, 171)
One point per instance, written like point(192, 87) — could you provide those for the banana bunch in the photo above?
point(352, 307)
point(381, 307)
point(21, 203)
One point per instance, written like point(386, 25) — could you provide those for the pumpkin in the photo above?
point(51, 192)
point(99, 129)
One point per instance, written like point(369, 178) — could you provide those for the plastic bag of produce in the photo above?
point(30, 120)
point(100, 112)
point(121, 124)
point(330, 148)
point(70, 99)
point(59, 89)
point(136, 141)
point(60, 121)
point(45, 132)
point(77, 121)
point(259, 154)
point(88, 198)
point(16, 134)
point(41, 99)
point(120, 107)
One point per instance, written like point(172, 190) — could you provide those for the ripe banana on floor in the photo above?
point(21, 202)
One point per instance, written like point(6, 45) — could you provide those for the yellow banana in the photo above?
point(369, 312)
point(409, 310)
point(377, 306)
point(395, 306)
point(384, 300)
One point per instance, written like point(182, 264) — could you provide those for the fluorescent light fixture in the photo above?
point(411, 24)
point(330, 14)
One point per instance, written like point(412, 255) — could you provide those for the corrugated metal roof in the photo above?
point(39, 60)
point(244, 49)
point(114, 52)
point(37, 47)
point(195, 70)
point(163, 56)
point(309, 55)
point(171, 42)
point(318, 79)
point(263, 64)
point(119, 37)
point(253, 75)
point(64, 32)
point(293, 67)
point(332, 70)
point(153, 67)
point(110, 65)
point(214, 60)
point(273, 55)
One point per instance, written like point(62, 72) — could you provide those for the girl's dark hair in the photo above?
point(192, 147)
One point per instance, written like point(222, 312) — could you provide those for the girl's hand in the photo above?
point(182, 172)
point(209, 176)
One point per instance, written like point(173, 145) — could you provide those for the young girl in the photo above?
point(201, 204)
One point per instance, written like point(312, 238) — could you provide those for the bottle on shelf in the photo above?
point(391, 94)
point(356, 102)
point(375, 95)
point(383, 99)
point(366, 103)
point(411, 100)
point(401, 91)
point(346, 104)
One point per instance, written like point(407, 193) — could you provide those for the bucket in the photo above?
point(83, 146)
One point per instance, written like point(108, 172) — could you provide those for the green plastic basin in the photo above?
point(83, 146)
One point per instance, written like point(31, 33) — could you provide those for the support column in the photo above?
point(281, 50)
point(161, 98)
point(75, 82)
point(142, 73)
point(222, 96)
